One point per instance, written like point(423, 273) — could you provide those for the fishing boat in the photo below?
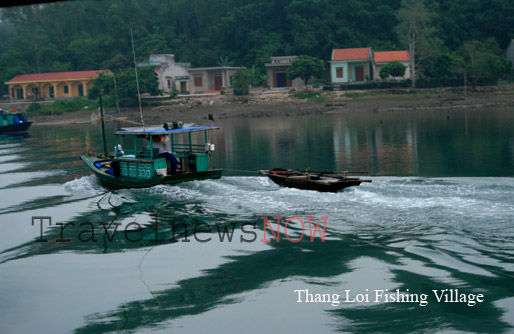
point(311, 180)
point(13, 123)
point(136, 163)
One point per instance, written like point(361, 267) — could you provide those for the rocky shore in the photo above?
point(270, 103)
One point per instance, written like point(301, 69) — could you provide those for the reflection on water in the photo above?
point(136, 260)
point(432, 143)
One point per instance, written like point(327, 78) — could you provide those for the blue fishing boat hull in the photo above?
point(15, 128)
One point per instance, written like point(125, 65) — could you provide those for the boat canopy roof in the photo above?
point(159, 130)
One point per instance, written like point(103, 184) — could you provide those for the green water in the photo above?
point(438, 215)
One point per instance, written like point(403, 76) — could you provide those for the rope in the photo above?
point(241, 170)
point(121, 119)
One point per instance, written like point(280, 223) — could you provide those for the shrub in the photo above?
point(241, 82)
point(174, 93)
point(306, 94)
point(377, 85)
point(62, 106)
point(364, 85)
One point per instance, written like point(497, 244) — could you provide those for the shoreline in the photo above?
point(272, 104)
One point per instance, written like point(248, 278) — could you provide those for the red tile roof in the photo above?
point(386, 56)
point(350, 54)
point(55, 76)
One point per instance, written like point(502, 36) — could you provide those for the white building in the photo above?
point(382, 58)
point(171, 75)
point(276, 73)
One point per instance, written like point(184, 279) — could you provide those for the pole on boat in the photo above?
point(103, 125)
point(137, 81)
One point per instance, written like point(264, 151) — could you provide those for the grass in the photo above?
point(62, 106)
point(310, 95)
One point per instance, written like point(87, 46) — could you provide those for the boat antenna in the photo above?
point(137, 81)
point(103, 125)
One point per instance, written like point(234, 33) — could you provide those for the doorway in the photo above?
point(359, 73)
point(218, 81)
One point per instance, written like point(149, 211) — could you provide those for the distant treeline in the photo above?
point(87, 35)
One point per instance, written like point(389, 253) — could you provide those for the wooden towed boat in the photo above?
point(310, 180)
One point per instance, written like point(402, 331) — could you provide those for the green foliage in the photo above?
point(126, 86)
point(354, 95)
point(442, 66)
point(453, 82)
point(377, 85)
point(479, 60)
point(118, 63)
point(394, 69)
point(416, 30)
point(174, 93)
point(364, 85)
point(92, 35)
point(62, 106)
point(241, 82)
point(306, 67)
point(310, 95)
point(258, 78)
point(224, 61)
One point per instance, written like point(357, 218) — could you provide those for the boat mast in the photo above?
point(137, 81)
point(103, 126)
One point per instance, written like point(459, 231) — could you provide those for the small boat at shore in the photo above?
point(13, 122)
point(141, 166)
point(311, 180)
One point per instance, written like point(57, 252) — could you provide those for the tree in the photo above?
point(241, 81)
point(415, 30)
point(481, 60)
point(394, 69)
point(224, 61)
point(306, 67)
point(126, 86)
point(442, 66)
point(118, 63)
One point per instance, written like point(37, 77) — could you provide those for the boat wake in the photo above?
point(396, 204)
point(86, 185)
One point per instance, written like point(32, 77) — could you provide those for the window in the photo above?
point(339, 72)
point(66, 89)
point(81, 90)
point(168, 82)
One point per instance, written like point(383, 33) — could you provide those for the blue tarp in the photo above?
point(162, 131)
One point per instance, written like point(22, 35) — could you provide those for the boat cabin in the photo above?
point(11, 119)
point(10, 122)
point(138, 157)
